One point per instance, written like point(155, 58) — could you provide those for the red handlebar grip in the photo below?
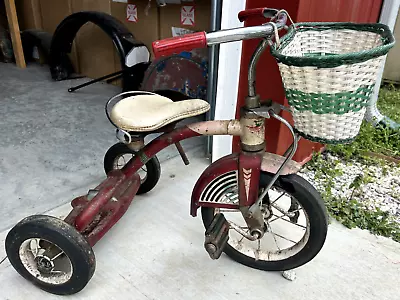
point(178, 44)
point(253, 12)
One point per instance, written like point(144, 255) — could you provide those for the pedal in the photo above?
point(216, 236)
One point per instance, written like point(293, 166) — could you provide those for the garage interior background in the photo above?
point(93, 52)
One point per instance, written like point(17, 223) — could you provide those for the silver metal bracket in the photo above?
point(124, 136)
point(291, 151)
point(264, 111)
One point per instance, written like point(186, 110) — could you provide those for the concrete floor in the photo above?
point(51, 150)
point(156, 252)
point(52, 142)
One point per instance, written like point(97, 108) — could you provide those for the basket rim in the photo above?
point(331, 61)
point(324, 140)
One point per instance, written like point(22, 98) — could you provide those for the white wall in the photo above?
point(388, 16)
point(228, 76)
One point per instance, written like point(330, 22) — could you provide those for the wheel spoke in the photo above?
point(282, 237)
point(290, 214)
point(273, 235)
point(278, 198)
point(295, 211)
point(58, 255)
point(280, 209)
point(281, 218)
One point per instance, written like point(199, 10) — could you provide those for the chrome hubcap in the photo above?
point(122, 160)
point(45, 261)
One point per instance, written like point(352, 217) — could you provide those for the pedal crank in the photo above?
point(216, 236)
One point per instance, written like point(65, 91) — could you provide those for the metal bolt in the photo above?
point(210, 248)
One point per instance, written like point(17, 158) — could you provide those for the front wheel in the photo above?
point(296, 225)
point(51, 254)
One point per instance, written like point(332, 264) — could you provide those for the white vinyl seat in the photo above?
point(144, 113)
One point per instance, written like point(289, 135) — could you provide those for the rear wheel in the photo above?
point(295, 226)
point(51, 254)
point(117, 157)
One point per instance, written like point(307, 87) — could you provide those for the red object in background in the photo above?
point(268, 79)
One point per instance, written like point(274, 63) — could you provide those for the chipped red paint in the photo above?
point(106, 190)
point(115, 209)
point(166, 74)
point(254, 128)
point(156, 146)
point(94, 218)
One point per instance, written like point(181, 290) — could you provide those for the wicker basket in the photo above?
point(329, 71)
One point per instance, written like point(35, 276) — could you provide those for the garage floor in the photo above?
point(51, 150)
point(52, 142)
point(156, 252)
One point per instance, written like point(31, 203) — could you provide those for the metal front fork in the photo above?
point(292, 150)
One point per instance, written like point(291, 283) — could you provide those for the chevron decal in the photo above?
point(247, 179)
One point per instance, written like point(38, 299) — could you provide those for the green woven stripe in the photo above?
point(331, 61)
point(324, 141)
point(339, 103)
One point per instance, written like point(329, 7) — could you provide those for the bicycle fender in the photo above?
point(221, 177)
point(271, 163)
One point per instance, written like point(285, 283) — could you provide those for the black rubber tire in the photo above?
point(153, 166)
point(67, 238)
point(312, 203)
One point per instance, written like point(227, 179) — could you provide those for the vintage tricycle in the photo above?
point(253, 205)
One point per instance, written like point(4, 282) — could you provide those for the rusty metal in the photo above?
point(94, 214)
point(252, 138)
point(106, 191)
point(182, 153)
point(137, 143)
point(242, 232)
point(218, 127)
point(254, 220)
point(271, 163)
point(251, 77)
point(166, 74)
point(216, 236)
point(252, 101)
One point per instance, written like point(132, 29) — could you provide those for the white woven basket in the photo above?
point(329, 71)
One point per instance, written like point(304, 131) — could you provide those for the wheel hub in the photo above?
point(44, 264)
point(266, 211)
